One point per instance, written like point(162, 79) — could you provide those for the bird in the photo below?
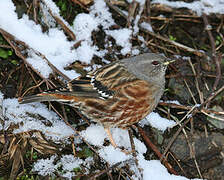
point(118, 94)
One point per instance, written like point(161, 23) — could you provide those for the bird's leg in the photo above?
point(110, 137)
point(113, 142)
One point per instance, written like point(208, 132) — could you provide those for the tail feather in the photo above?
point(38, 98)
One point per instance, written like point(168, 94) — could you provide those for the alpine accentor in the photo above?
point(116, 95)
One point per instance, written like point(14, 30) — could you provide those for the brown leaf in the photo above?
point(16, 163)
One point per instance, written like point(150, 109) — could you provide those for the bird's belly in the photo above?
point(118, 113)
point(132, 113)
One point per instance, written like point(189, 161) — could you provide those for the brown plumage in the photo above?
point(116, 95)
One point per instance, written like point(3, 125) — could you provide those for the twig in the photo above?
point(110, 168)
point(181, 46)
point(212, 96)
point(192, 148)
point(5, 46)
point(14, 43)
point(148, 11)
point(35, 3)
point(131, 12)
point(134, 152)
point(178, 106)
point(153, 147)
point(211, 116)
point(32, 87)
point(11, 40)
point(58, 19)
point(52, 66)
point(188, 88)
point(218, 72)
point(116, 9)
point(177, 160)
point(73, 147)
point(216, 60)
point(192, 112)
point(195, 162)
point(80, 4)
point(196, 80)
point(191, 145)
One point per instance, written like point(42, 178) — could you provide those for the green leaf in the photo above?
point(9, 52)
point(88, 152)
point(63, 7)
point(15, 62)
point(3, 53)
point(35, 155)
point(172, 38)
point(85, 152)
point(77, 169)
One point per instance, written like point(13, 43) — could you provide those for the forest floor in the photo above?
point(194, 95)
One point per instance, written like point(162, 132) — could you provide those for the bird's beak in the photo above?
point(168, 62)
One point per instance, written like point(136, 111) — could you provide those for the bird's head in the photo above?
point(149, 67)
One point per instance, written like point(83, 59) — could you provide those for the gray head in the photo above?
point(149, 67)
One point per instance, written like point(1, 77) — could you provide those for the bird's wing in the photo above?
point(100, 84)
point(113, 75)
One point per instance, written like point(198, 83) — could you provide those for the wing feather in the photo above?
point(101, 84)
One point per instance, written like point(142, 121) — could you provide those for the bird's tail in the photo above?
point(44, 97)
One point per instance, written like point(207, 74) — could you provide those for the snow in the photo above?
point(21, 115)
point(122, 38)
point(84, 24)
point(112, 155)
point(100, 12)
point(94, 134)
point(146, 26)
point(52, 6)
point(85, 52)
point(138, 16)
point(46, 18)
point(173, 102)
point(203, 6)
point(69, 162)
point(1, 97)
point(186, 58)
point(156, 121)
point(55, 11)
point(66, 164)
point(53, 44)
point(135, 52)
point(136, 28)
point(155, 170)
point(45, 166)
point(39, 64)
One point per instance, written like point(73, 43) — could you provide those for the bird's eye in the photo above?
point(155, 63)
